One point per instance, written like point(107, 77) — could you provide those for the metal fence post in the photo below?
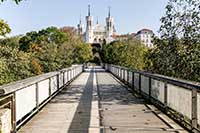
point(140, 90)
point(63, 78)
point(123, 75)
point(128, 77)
point(13, 113)
point(133, 78)
point(194, 108)
point(165, 94)
point(83, 68)
point(120, 73)
point(149, 89)
point(50, 86)
point(58, 81)
point(37, 95)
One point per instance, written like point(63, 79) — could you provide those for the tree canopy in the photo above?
point(35, 39)
point(39, 52)
point(125, 53)
point(177, 52)
point(4, 28)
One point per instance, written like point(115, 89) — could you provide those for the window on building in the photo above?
point(149, 41)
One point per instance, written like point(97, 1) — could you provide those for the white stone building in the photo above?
point(97, 33)
point(146, 37)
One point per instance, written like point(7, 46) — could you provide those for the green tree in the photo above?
point(4, 28)
point(4, 72)
point(15, 64)
point(177, 51)
point(35, 53)
point(82, 53)
point(44, 36)
point(71, 32)
point(135, 57)
point(52, 35)
point(10, 41)
point(128, 53)
point(48, 57)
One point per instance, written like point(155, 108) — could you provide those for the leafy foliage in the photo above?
point(14, 64)
point(82, 53)
point(11, 41)
point(4, 28)
point(35, 53)
point(37, 39)
point(129, 54)
point(37, 69)
point(177, 52)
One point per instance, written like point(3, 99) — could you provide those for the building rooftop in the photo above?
point(99, 28)
point(143, 31)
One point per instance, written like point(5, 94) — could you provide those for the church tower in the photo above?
point(80, 28)
point(109, 25)
point(89, 27)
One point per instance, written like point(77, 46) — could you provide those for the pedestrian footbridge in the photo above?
point(100, 99)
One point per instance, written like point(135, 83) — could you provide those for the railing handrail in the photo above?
point(18, 85)
point(175, 81)
point(162, 91)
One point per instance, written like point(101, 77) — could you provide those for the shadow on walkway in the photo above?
point(81, 119)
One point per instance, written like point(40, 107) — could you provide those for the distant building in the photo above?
point(146, 37)
point(121, 37)
point(97, 33)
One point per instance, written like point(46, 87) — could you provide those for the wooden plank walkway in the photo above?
point(76, 109)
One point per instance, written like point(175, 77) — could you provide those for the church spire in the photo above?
point(80, 20)
point(109, 11)
point(97, 20)
point(88, 10)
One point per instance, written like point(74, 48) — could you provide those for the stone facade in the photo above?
point(97, 33)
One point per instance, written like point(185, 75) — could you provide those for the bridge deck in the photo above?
point(76, 109)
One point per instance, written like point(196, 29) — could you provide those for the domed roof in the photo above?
point(99, 28)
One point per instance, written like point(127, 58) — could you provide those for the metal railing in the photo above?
point(178, 98)
point(28, 96)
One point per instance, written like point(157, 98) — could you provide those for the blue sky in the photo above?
point(130, 15)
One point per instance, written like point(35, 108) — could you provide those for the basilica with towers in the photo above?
point(97, 33)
